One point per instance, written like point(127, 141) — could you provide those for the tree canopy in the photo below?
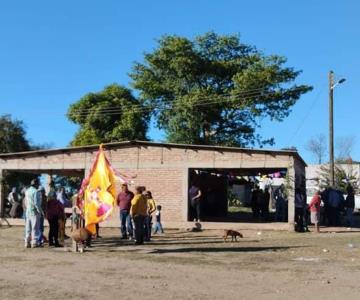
point(110, 115)
point(12, 135)
point(215, 89)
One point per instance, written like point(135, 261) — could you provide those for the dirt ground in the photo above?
point(186, 265)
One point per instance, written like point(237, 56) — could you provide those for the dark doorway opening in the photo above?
point(19, 180)
point(228, 195)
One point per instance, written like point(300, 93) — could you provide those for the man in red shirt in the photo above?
point(124, 202)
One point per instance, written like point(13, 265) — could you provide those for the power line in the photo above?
point(141, 108)
point(245, 92)
point(307, 114)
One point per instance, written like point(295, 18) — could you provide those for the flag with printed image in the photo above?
point(98, 192)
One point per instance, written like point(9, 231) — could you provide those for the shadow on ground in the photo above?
point(221, 249)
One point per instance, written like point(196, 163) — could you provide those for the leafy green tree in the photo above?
point(342, 177)
point(215, 89)
point(12, 135)
point(13, 139)
point(113, 114)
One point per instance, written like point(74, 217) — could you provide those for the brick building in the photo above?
point(165, 169)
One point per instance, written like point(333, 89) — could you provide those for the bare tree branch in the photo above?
point(344, 147)
point(317, 146)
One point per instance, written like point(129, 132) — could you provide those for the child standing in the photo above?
point(158, 226)
point(54, 212)
point(315, 210)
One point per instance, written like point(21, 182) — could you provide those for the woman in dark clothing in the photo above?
point(54, 211)
point(349, 205)
point(195, 196)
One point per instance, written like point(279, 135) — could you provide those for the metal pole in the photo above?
point(331, 127)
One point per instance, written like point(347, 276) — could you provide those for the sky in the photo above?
point(54, 52)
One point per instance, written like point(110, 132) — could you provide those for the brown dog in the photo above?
point(232, 233)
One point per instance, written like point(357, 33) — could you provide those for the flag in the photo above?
point(99, 192)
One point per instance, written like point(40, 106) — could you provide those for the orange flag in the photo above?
point(99, 192)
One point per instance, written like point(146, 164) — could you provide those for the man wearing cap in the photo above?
point(33, 214)
point(124, 202)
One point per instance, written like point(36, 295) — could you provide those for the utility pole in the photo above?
point(331, 127)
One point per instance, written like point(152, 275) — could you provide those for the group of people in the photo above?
point(136, 213)
point(325, 208)
point(38, 205)
point(268, 199)
point(138, 208)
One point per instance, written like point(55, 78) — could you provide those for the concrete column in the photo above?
point(291, 196)
point(2, 195)
point(185, 207)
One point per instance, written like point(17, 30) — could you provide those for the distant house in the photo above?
point(314, 179)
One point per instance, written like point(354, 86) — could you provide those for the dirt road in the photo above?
point(183, 265)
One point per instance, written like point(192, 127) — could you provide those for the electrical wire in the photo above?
point(307, 114)
point(206, 101)
point(245, 92)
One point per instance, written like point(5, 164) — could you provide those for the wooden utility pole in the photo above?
point(331, 127)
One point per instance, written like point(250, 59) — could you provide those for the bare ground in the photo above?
point(184, 265)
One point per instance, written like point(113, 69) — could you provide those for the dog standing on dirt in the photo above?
point(234, 234)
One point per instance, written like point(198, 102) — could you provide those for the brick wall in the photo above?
point(162, 169)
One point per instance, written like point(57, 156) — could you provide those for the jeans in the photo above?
point(41, 228)
point(126, 224)
point(299, 218)
point(32, 231)
point(195, 203)
point(158, 227)
point(139, 228)
point(349, 216)
point(334, 216)
point(147, 227)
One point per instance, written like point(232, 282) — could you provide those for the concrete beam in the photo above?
point(2, 195)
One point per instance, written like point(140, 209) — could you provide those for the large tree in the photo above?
point(12, 135)
point(215, 89)
point(113, 114)
point(13, 139)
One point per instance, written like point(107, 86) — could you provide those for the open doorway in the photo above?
point(239, 195)
point(15, 183)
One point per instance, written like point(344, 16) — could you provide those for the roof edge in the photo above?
point(150, 143)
